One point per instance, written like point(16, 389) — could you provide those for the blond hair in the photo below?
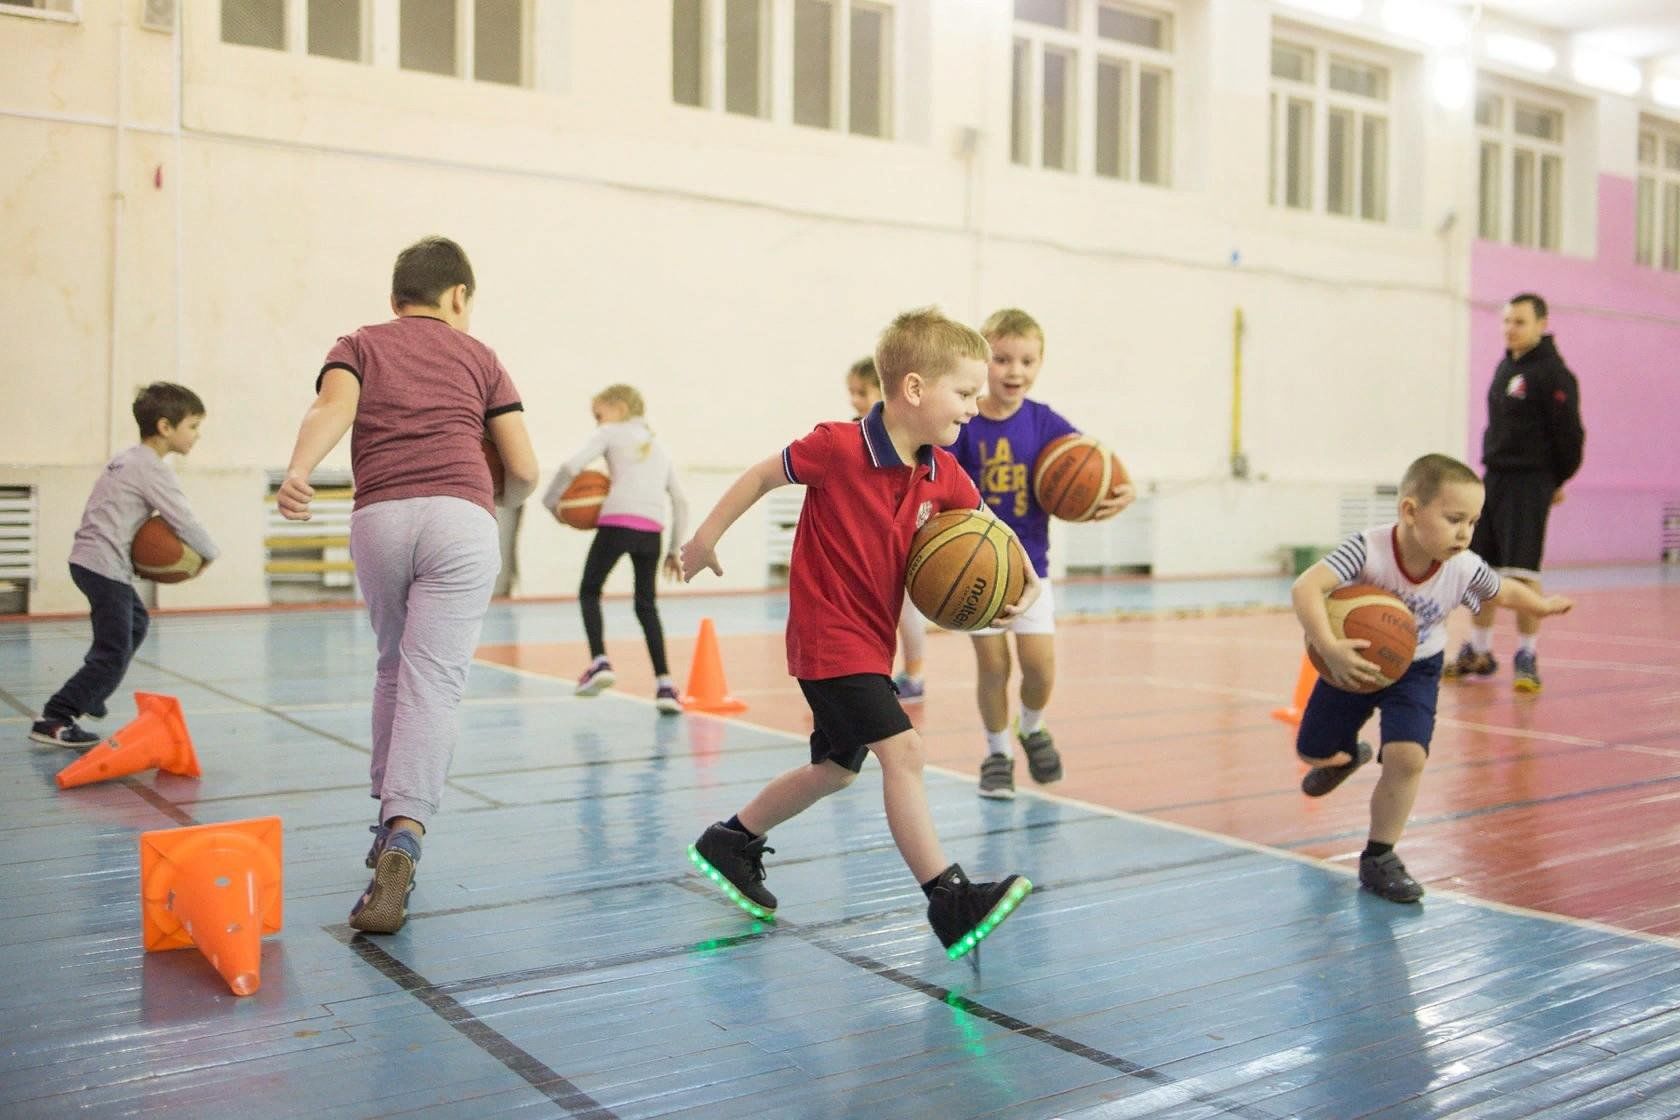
point(625, 395)
point(924, 341)
point(1012, 322)
point(1427, 475)
point(864, 370)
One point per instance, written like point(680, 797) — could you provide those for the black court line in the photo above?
point(539, 1076)
point(159, 802)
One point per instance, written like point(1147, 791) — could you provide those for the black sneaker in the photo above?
point(1386, 877)
point(1043, 762)
point(963, 914)
point(997, 777)
point(62, 733)
point(1469, 663)
point(383, 907)
point(1320, 780)
point(736, 865)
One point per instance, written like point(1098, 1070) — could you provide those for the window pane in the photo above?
point(1020, 134)
point(870, 91)
point(1487, 223)
point(254, 23)
point(1361, 78)
point(1128, 26)
point(1648, 148)
point(335, 29)
point(1292, 63)
point(1671, 227)
point(1051, 13)
point(1297, 173)
point(813, 63)
point(1373, 169)
point(428, 36)
point(1058, 109)
point(687, 35)
point(1522, 197)
point(1490, 110)
point(1645, 236)
point(1671, 154)
point(1542, 124)
point(498, 42)
point(1338, 152)
point(743, 26)
point(1154, 126)
point(1551, 201)
point(1111, 118)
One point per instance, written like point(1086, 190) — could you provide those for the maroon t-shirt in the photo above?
point(863, 504)
point(427, 392)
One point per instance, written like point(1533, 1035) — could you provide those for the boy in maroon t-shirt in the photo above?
point(871, 485)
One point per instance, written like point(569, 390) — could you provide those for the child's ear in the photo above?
point(1408, 508)
point(913, 386)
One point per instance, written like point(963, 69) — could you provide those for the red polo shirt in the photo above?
point(863, 504)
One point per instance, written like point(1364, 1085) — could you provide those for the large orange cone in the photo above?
point(157, 737)
point(216, 886)
point(1303, 689)
point(707, 690)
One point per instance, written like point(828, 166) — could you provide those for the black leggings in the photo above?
point(611, 542)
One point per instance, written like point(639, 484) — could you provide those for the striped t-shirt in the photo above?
point(1373, 556)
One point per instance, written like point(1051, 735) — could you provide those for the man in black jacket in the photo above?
point(1531, 447)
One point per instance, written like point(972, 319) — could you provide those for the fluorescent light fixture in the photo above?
point(1666, 91)
point(1607, 72)
point(1517, 51)
point(1435, 24)
point(1451, 79)
point(1336, 9)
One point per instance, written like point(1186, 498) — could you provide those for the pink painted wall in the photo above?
point(1618, 327)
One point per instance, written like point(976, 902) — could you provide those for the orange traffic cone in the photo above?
point(707, 690)
point(216, 886)
point(1303, 689)
point(157, 737)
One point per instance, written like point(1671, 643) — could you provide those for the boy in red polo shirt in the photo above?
point(870, 486)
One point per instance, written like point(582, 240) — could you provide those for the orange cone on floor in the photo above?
point(1303, 689)
point(157, 737)
point(216, 887)
point(707, 690)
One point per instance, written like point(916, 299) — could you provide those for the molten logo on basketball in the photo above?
point(970, 602)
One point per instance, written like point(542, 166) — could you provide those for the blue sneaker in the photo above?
point(910, 689)
point(383, 907)
point(380, 831)
point(1525, 669)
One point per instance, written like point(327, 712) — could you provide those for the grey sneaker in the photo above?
point(383, 907)
point(911, 690)
point(1386, 877)
point(1469, 663)
point(1526, 669)
point(997, 777)
point(380, 831)
point(1320, 780)
point(1043, 763)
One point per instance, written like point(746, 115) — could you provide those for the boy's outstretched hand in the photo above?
point(1119, 498)
point(696, 556)
point(294, 497)
point(1555, 604)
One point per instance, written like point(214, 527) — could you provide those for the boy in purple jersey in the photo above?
point(998, 449)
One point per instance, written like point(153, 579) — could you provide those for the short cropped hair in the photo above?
point(924, 341)
point(1533, 300)
point(864, 370)
point(1425, 477)
point(1012, 321)
point(625, 395)
point(427, 269)
point(164, 400)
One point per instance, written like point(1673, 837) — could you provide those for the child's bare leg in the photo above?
point(791, 793)
point(1397, 790)
point(1038, 669)
point(991, 688)
point(908, 816)
point(912, 639)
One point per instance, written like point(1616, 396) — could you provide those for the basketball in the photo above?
point(159, 555)
point(1073, 474)
point(1365, 611)
point(965, 567)
point(493, 460)
point(580, 505)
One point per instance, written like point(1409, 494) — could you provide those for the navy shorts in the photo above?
point(849, 713)
point(1333, 717)
point(1512, 532)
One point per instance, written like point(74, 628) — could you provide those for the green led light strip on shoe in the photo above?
point(1005, 907)
point(729, 888)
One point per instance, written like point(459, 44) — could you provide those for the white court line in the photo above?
point(1188, 830)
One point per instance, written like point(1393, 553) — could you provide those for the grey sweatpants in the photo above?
point(426, 567)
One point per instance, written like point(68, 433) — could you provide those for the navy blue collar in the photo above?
point(879, 444)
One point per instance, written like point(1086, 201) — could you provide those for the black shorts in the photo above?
point(849, 713)
point(1512, 532)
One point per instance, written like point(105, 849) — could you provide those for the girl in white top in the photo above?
point(632, 518)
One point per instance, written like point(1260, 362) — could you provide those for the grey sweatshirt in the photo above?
point(135, 484)
point(642, 477)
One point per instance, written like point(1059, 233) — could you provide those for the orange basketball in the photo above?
point(159, 555)
point(965, 567)
point(1363, 610)
point(498, 473)
point(1073, 474)
point(580, 505)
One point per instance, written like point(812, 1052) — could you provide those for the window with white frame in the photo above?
point(1657, 241)
point(337, 29)
point(480, 39)
point(48, 9)
point(1520, 157)
point(819, 63)
point(1091, 85)
point(1330, 129)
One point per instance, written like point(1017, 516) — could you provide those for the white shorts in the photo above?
point(1039, 619)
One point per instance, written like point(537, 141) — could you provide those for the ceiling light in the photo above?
point(1435, 24)
point(1607, 72)
point(1666, 91)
